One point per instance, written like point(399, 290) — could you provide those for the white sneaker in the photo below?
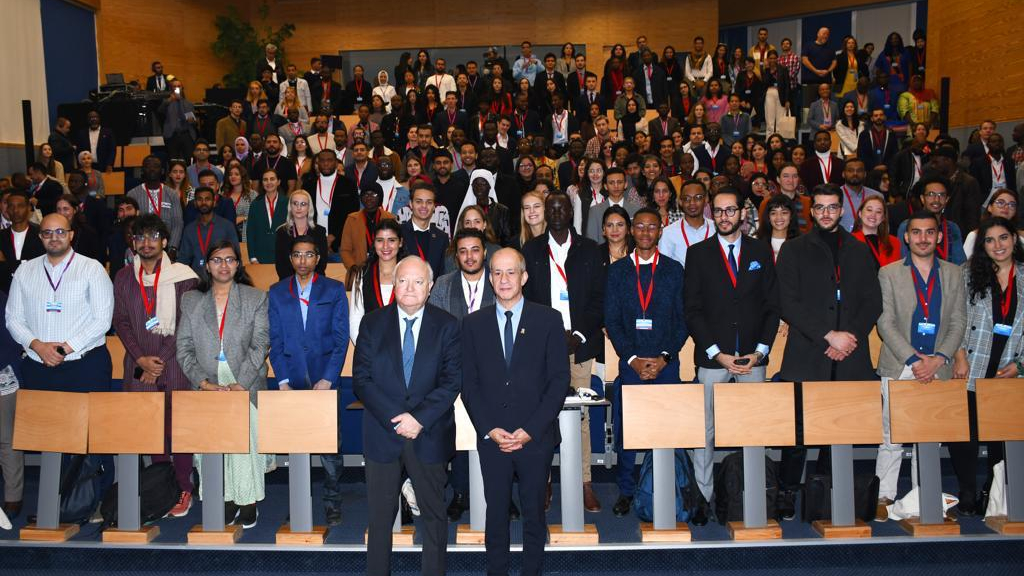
point(410, 496)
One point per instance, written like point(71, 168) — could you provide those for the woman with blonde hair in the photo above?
point(300, 221)
point(531, 218)
point(290, 101)
point(251, 106)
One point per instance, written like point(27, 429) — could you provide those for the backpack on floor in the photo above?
point(158, 491)
point(79, 488)
point(817, 501)
point(729, 488)
point(643, 503)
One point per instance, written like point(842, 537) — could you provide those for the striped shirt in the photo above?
point(85, 297)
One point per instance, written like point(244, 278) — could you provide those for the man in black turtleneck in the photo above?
point(831, 299)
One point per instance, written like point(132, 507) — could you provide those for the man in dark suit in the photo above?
point(334, 197)
point(21, 241)
point(635, 59)
point(663, 125)
point(60, 142)
point(525, 121)
point(732, 309)
point(548, 73)
point(589, 95)
point(158, 81)
point(878, 144)
point(515, 379)
point(450, 116)
point(567, 273)
point(308, 316)
point(559, 124)
point(44, 190)
point(576, 82)
point(105, 150)
point(995, 169)
point(327, 95)
point(409, 423)
point(643, 313)
point(830, 297)
point(420, 237)
point(712, 154)
point(461, 292)
point(822, 167)
point(650, 80)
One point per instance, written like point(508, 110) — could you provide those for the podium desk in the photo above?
point(662, 418)
point(572, 531)
point(927, 415)
point(839, 415)
point(211, 424)
point(51, 423)
point(1000, 403)
point(752, 416)
point(299, 423)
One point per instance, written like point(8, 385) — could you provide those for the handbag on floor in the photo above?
point(79, 488)
point(158, 493)
point(817, 500)
point(786, 126)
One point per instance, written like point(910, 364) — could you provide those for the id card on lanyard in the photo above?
point(645, 323)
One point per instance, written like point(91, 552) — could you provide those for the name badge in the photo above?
point(1002, 329)
point(563, 296)
point(54, 306)
point(746, 92)
point(327, 211)
point(735, 133)
point(519, 133)
point(644, 324)
point(839, 295)
point(886, 106)
point(878, 152)
point(359, 99)
point(221, 357)
point(926, 328)
point(668, 78)
point(202, 262)
point(714, 106)
point(165, 204)
point(152, 323)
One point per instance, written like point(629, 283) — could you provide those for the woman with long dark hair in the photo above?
point(992, 342)
point(848, 129)
point(615, 226)
point(1003, 203)
point(422, 68)
point(896, 62)
point(779, 224)
point(499, 97)
point(373, 283)
point(404, 63)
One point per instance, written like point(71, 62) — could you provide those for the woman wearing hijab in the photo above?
point(243, 153)
point(482, 193)
point(384, 89)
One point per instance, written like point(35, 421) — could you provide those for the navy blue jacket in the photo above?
point(306, 355)
point(622, 308)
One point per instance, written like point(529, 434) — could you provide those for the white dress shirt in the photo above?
point(19, 241)
point(402, 317)
point(84, 293)
point(473, 292)
point(357, 309)
point(94, 141)
point(323, 197)
point(677, 238)
point(559, 286)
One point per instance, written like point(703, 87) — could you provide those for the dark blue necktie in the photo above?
point(508, 338)
point(732, 260)
point(408, 350)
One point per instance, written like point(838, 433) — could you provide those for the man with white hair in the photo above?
point(269, 62)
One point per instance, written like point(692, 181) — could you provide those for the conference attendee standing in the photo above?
point(409, 423)
point(515, 378)
point(732, 310)
point(147, 301)
point(154, 197)
point(202, 232)
point(829, 295)
point(922, 326)
point(692, 228)
point(21, 241)
point(566, 272)
point(334, 197)
point(308, 319)
point(12, 462)
point(422, 237)
point(933, 193)
point(854, 191)
point(267, 213)
point(461, 292)
point(643, 314)
point(223, 339)
point(992, 343)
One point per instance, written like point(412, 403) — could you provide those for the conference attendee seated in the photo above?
point(361, 227)
point(419, 235)
point(308, 319)
point(203, 232)
point(223, 338)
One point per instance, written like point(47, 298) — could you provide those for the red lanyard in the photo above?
point(682, 228)
point(559, 121)
point(160, 199)
point(203, 245)
point(849, 199)
point(561, 271)
point(359, 86)
point(520, 119)
point(62, 273)
point(146, 305)
point(878, 138)
point(877, 254)
point(417, 240)
point(921, 295)
point(236, 202)
point(451, 116)
point(319, 192)
point(1004, 304)
point(223, 317)
point(323, 140)
point(943, 247)
point(472, 295)
point(359, 176)
point(261, 127)
point(728, 267)
point(271, 207)
point(997, 171)
point(376, 219)
point(714, 160)
point(645, 301)
point(327, 89)
point(291, 289)
point(826, 168)
point(649, 71)
point(391, 194)
point(826, 111)
point(376, 288)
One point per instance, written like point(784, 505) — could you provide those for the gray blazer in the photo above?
point(977, 338)
point(447, 293)
point(816, 114)
point(246, 337)
point(899, 300)
point(596, 215)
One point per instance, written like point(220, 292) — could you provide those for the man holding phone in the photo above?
point(148, 295)
point(179, 122)
point(732, 308)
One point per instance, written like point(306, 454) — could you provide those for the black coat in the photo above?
point(716, 312)
point(807, 293)
point(344, 202)
point(659, 86)
point(32, 248)
point(874, 156)
point(585, 272)
point(433, 252)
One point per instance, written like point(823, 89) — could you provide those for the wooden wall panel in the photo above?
point(975, 43)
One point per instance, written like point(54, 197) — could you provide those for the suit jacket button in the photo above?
point(970, 351)
point(504, 405)
point(974, 328)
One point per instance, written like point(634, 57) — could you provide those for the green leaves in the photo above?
point(243, 45)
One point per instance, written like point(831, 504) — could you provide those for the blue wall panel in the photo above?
point(69, 50)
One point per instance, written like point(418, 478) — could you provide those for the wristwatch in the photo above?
point(666, 357)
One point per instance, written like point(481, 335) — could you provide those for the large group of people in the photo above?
point(517, 215)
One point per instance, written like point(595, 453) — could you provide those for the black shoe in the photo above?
point(247, 516)
point(622, 506)
point(700, 515)
point(982, 502)
point(12, 509)
point(459, 504)
point(785, 505)
point(513, 511)
point(406, 512)
point(967, 506)
point(333, 516)
point(231, 511)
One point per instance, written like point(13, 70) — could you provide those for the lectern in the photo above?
point(752, 416)
point(841, 414)
point(661, 418)
point(465, 439)
point(127, 424)
point(572, 531)
point(299, 423)
point(211, 424)
point(1000, 403)
point(51, 423)
point(927, 415)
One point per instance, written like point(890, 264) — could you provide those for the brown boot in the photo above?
point(590, 501)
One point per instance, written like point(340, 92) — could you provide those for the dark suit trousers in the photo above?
point(531, 465)
point(383, 486)
point(964, 457)
point(625, 467)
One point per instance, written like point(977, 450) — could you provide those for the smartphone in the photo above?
point(742, 361)
point(60, 350)
point(177, 90)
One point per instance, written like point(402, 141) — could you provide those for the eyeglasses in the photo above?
point(303, 255)
point(934, 195)
point(47, 234)
point(1005, 204)
point(821, 208)
point(695, 198)
point(646, 227)
point(154, 236)
point(217, 260)
point(730, 211)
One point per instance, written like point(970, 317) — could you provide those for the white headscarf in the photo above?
point(384, 89)
point(470, 199)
